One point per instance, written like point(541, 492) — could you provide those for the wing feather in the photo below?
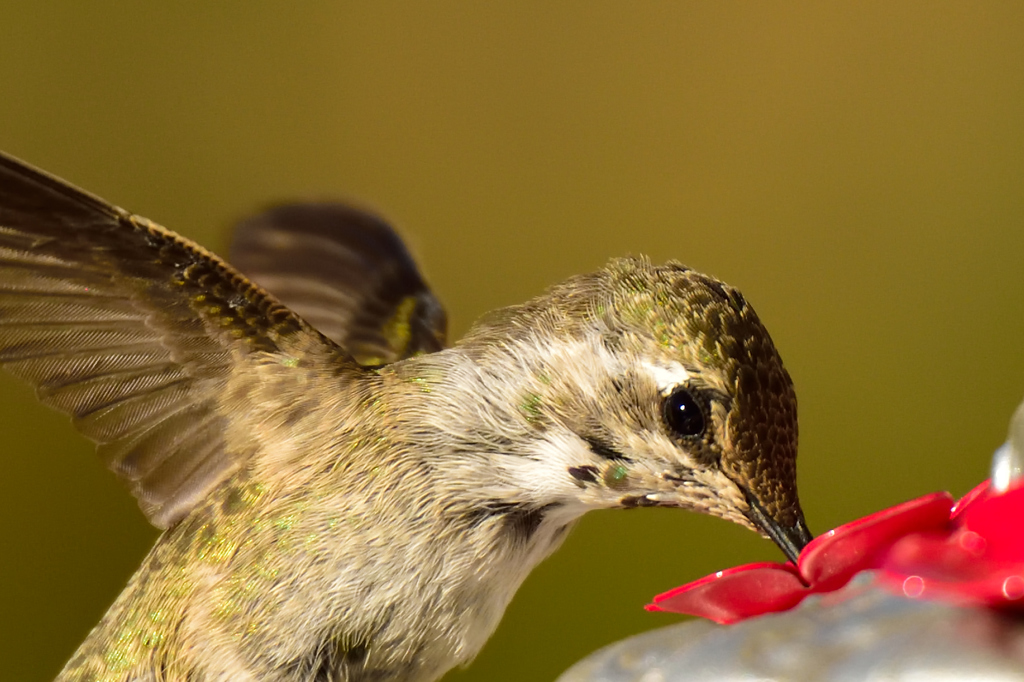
point(133, 331)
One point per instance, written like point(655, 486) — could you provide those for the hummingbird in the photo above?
point(344, 495)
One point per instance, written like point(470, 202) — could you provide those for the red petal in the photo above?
point(980, 562)
point(831, 559)
point(998, 518)
point(976, 494)
point(957, 556)
point(1001, 589)
point(737, 593)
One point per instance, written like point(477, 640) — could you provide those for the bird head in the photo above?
point(654, 386)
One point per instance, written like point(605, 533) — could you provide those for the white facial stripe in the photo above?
point(667, 376)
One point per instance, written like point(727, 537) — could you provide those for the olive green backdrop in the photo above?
point(857, 169)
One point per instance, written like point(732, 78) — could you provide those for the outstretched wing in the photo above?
point(345, 272)
point(130, 329)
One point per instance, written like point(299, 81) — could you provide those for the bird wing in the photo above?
point(133, 331)
point(347, 273)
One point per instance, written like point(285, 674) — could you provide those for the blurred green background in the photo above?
point(856, 169)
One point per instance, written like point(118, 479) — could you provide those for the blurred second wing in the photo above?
point(347, 273)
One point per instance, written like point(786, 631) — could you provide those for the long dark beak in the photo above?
point(790, 539)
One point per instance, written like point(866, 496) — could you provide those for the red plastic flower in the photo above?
point(970, 552)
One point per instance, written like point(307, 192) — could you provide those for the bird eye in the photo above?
point(683, 414)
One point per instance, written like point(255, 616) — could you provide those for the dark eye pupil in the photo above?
point(683, 415)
